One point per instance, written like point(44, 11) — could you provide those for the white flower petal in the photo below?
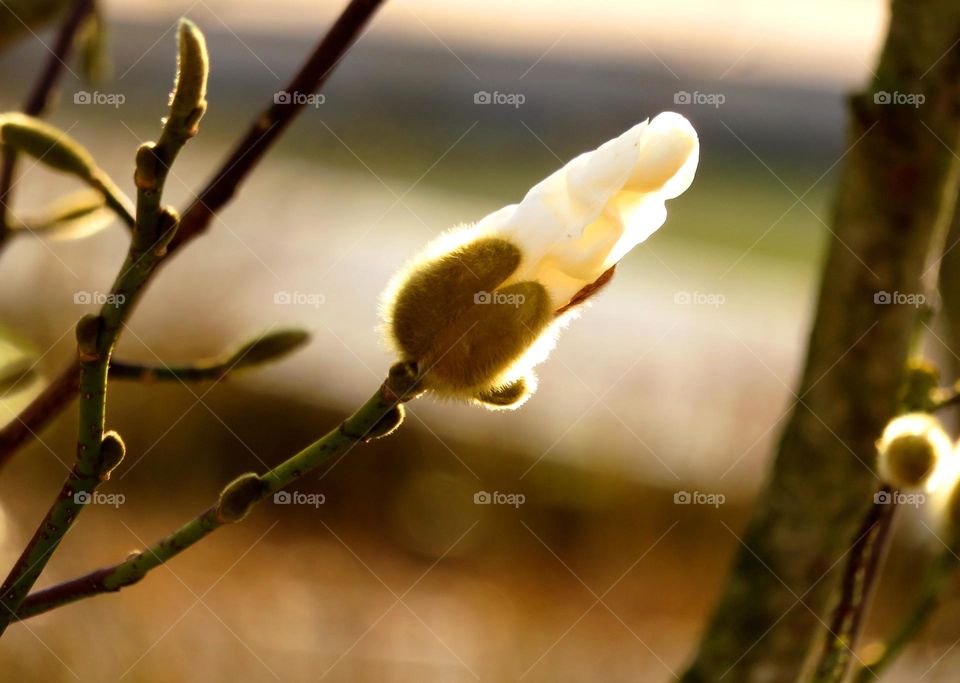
point(585, 217)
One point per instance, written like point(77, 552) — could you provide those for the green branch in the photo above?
point(97, 334)
point(379, 416)
point(233, 170)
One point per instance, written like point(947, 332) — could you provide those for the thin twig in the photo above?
point(97, 335)
point(268, 126)
point(39, 100)
point(378, 416)
point(859, 577)
point(218, 192)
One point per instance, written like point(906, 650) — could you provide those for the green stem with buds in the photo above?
point(379, 416)
point(97, 335)
point(235, 168)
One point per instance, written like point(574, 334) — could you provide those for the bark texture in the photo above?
point(891, 198)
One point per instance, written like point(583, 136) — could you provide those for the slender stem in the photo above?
point(196, 372)
point(859, 577)
point(362, 426)
point(85, 476)
point(97, 337)
point(38, 101)
point(218, 192)
point(932, 591)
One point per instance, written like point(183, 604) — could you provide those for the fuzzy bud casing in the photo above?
point(463, 327)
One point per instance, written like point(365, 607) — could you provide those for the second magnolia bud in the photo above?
point(910, 449)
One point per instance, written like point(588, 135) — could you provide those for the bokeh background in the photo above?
point(677, 380)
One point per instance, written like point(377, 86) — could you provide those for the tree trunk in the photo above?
point(900, 161)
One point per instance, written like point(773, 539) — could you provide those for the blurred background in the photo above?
point(655, 419)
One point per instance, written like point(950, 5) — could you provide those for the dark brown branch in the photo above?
point(274, 120)
point(890, 200)
point(39, 100)
point(218, 192)
point(856, 587)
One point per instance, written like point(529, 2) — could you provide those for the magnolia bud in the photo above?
point(477, 310)
point(910, 450)
point(463, 327)
point(238, 498)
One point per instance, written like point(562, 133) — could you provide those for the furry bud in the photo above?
point(462, 327)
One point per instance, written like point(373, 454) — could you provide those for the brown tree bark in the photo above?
point(890, 200)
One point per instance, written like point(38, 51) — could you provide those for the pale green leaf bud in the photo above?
point(188, 101)
point(48, 144)
point(270, 347)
